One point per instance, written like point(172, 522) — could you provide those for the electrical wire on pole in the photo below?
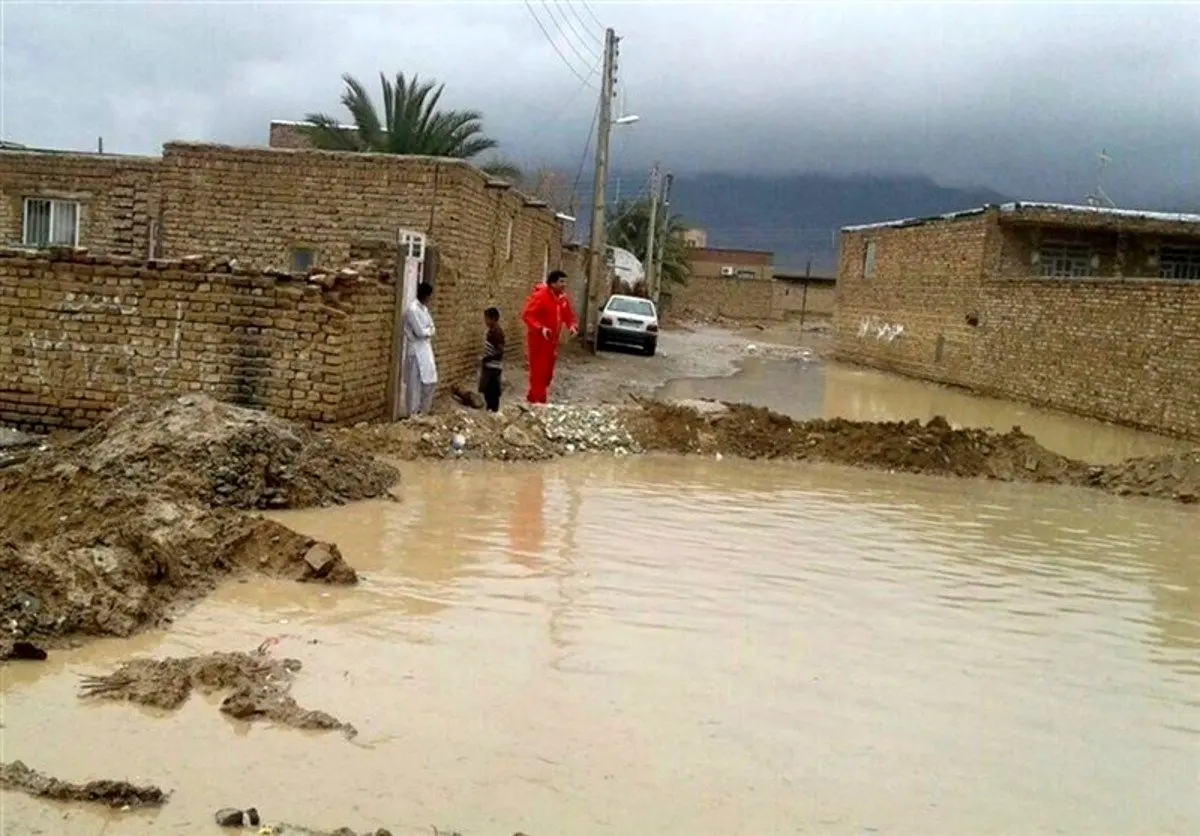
point(591, 57)
point(574, 17)
point(583, 78)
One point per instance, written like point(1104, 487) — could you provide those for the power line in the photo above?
point(583, 157)
point(575, 15)
point(586, 59)
point(588, 8)
point(570, 66)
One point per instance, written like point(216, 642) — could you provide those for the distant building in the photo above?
point(1086, 309)
point(727, 282)
point(695, 238)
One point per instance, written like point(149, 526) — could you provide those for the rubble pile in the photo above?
point(519, 432)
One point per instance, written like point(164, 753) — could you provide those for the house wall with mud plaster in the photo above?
point(82, 335)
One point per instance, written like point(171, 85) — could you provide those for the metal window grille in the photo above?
point(51, 223)
point(1062, 260)
point(1179, 263)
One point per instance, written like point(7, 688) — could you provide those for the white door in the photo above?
point(412, 277)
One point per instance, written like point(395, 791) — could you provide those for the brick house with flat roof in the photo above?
point(1086, 309)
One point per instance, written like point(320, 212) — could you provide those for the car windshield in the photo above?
point(641, 307)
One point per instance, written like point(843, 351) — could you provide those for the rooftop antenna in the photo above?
point(1099, 197)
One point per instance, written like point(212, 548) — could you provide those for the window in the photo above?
point(546, 262)
point(1179, 263)
point(413, 244)
point(303, 259)
point(508, 241)
point(869, 261)
point(630, 305)
point(51, 223)
point(1062, 260)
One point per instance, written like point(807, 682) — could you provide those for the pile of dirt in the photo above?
point(103, 535)
point(196, 448)
point(1171, 476)
point(17, 776)
point(910, 446)
point(257, 687)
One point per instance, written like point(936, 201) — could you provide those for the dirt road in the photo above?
point(686, 351)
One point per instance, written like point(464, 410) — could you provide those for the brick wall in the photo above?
point(1121, 350)
point(789, 299)
point(118, 196)
point(261, 204)
point(81, 335)
point(732, 298)
point(926, 281)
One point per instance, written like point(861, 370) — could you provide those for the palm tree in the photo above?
point(629, 229)
point(411, 124)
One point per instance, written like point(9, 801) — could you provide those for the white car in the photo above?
point(628, 320)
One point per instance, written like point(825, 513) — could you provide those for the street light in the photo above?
point(626, 120)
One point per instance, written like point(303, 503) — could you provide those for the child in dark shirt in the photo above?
point(493, 360)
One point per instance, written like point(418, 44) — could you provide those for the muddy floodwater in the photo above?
point(675, 646)
point(818, 389)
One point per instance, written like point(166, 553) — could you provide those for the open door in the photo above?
point(410, 258)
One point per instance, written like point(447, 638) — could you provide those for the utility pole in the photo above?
point(666, 225)
point(597, 269)
point(652, 231)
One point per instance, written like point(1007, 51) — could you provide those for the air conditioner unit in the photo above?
point(727, 271)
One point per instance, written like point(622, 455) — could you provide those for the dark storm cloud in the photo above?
point(1019, 97)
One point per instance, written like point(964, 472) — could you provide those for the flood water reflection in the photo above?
point(687, 647)
point(819, 389)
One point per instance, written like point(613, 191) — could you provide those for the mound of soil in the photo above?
point(196, 448)
point(257, 685)
point(934, 447)
point(103, 535)
point(1172, 476)
point(17, 776)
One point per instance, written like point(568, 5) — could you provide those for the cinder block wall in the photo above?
point(118, 196)
point(81, 335)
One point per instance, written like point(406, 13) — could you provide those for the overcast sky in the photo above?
point(1019, 97)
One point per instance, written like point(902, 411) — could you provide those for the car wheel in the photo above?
point(651, 347)
point(600, 344)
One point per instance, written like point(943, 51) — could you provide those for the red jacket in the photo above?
point(548, 309)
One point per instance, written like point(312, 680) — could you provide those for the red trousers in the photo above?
point(543, 354)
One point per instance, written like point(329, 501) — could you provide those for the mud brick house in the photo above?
point(277, 212)
point(726, 282)
point(1090, 310)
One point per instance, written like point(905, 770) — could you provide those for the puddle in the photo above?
point(686, 647)
point(833, 390)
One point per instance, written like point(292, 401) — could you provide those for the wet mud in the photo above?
point(108, 533)
point(257, 686)
point(19, 777)
point(711, 428)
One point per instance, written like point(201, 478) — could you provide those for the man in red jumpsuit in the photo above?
point(546, 313)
